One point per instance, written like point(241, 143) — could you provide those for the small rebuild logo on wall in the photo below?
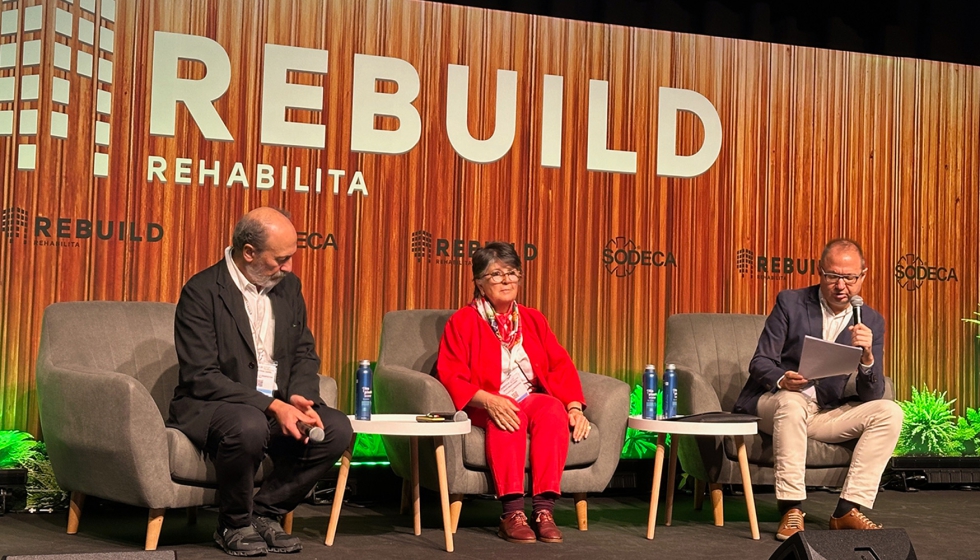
point(766, 267)
point(621, 256)
point(61, 231)
point(37, 72)
point(454, 251)
point(911, 272)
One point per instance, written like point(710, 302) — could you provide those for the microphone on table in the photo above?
point(856, 303)
point(315, 433)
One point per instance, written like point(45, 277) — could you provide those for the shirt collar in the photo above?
point(828, 312)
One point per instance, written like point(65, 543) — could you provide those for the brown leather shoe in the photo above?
point(853, 519)
point(544, 526)
point(791, 524)
point(514, 528)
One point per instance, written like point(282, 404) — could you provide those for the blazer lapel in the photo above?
point(280, 310)
point(814, 313)
point(235, 304)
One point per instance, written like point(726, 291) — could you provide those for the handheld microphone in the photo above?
point(856, 303)
point(315, 433)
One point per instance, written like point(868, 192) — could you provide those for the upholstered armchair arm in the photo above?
point(105, 435)
point(701, 457)
point(608, 408)
point(328, 391)
point(400, 390)
point(694, 394)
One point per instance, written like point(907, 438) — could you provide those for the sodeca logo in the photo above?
point(38, 70)
point(911, 272)
point(621, 256)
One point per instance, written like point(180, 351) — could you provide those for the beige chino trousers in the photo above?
point(791, 418)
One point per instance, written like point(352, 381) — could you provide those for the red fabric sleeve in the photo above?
point(455, 356)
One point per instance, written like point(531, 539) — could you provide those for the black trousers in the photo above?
point(240, 436)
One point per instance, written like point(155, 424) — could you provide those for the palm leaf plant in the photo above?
point(19, 450)
point(639, 444)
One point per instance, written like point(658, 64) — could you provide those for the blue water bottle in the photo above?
point(649, 392)
point(670, 392)
point(364, 385)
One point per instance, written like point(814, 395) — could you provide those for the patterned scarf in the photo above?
point(507, 326)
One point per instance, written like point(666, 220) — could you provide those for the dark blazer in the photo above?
point(797, 314)
point(217, 355)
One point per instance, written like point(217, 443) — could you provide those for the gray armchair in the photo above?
point(712, 354)
point(106, 373)
point(404, 383)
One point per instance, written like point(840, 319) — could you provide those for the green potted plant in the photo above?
point(20, 455)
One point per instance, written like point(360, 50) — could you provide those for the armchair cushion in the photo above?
point(188, 465)
point(758, 448)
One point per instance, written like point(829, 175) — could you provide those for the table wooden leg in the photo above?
point(338, 493)
point(416, 504)
point(447, 523)
point(455, 505)
point(743, 463)
point(716, 504)
point(658, 467)
point(671, 481)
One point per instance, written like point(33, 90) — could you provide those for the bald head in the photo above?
point(263, 245)
point(255, 228)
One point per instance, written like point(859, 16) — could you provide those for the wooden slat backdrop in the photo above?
point(817, 144)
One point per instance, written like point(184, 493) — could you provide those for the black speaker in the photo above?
point(134, 555)
point(880, 544)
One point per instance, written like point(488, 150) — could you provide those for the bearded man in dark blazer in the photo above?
point(249, 382)
point(793, 409)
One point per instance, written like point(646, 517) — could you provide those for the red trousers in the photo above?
point(545, 419)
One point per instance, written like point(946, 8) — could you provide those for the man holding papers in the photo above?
point(793, 408)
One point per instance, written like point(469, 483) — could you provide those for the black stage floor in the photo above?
point(942, 524)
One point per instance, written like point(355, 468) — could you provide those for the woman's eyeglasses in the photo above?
point(497, 276)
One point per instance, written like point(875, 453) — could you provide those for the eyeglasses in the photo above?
point(833, 277)
point(497, 276)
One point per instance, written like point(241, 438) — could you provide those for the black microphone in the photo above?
point(315, 433)
point(856, 303)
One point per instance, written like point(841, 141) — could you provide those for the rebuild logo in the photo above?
point(36, 74)
point(70, 232)
point(765, 267)
point(456, 251)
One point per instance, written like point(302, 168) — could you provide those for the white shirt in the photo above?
point(834, 323)
point(259, 308)
point(516, 375)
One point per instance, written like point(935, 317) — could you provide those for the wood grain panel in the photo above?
point(816, 144)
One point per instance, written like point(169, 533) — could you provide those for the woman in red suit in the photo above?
point(500, 362)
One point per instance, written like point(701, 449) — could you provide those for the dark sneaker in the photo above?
point(276, 538)
point(243, 541)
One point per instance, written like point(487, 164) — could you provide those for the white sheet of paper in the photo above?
point(822, 358)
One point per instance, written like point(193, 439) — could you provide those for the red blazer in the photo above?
point(469, 357)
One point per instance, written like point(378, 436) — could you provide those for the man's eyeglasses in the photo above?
point(833, 277)
point(497, 276)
